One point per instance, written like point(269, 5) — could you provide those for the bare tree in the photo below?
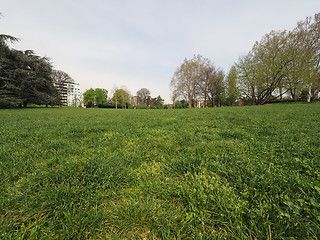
point(196, 79)
point(60, 80)
point(184, 83)
point(143, 96)
point(210, 81)
point(60, 76)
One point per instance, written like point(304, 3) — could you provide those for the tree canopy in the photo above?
point(158, 101)
point(197, 79)
point(121, 98)
point(24, 77)
point(95, 97)
point(283, 62)
point(143, 96)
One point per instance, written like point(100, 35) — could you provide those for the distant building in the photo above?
point(135, 101)
point(62, 89)
point(199, 103)
point(170, 106)
point(73, 94)
point(69, 92)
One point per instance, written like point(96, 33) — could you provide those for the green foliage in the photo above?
point(121, 98)
point(101, 96)
point(232, 90)
point(158, 101)
point(89, 97)
point(181, 104)
point(95, 97)
point(24, 77)
point(282, 63)
point(177, 104)
point(139, 107)
point(222, 173)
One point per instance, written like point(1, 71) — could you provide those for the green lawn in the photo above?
point(222, 173)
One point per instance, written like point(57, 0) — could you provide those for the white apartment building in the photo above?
point(74, 97)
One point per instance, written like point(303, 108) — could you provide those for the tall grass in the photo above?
point(223, 173)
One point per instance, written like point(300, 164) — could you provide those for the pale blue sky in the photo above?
point(140, 43)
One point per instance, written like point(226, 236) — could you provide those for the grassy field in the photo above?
point(222, 173)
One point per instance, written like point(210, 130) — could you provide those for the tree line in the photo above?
point(283, 65)
point(121, 98)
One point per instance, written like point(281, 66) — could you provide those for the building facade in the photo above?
point(69, 93)
point(74, 94)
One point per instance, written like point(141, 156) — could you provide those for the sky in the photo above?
point(138, 44)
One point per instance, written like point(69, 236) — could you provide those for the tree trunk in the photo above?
point(309, 94)
point(314, 94)
point(205, 100)
point(212, 102)
point(293, 94)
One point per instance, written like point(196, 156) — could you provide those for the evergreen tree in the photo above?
point(24, 77)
